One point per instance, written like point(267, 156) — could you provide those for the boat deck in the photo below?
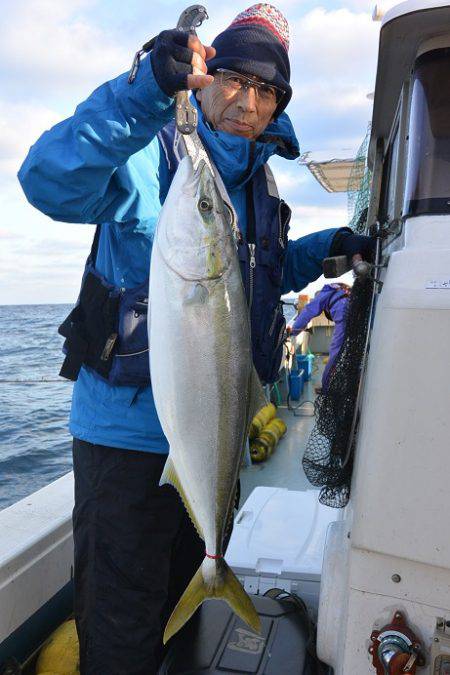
point(284, 467)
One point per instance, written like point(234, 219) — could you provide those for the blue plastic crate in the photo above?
point(305, 362)
point(296, 383)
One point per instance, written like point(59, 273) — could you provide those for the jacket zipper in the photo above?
point(252, 249)
point(281, 227)
point(251, 230)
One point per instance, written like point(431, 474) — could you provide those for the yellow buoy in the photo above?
point(60, 654)
point(268, 439)
point(279, 425)
point(271, 434)
point(258, 451)
point(261, 419)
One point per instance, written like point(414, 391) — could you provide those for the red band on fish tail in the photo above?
point(213, 557)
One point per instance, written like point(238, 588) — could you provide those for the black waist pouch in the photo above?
point(91, 328)
point(107, 329)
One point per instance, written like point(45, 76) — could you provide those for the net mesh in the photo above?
point(328, 459)
point(358, 190)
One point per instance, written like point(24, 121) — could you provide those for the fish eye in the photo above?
point(205, 204)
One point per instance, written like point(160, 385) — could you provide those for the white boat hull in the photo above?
point(36, 562)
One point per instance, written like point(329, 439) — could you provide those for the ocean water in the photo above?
point(35, 445)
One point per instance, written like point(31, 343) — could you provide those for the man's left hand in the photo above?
point(353, 245)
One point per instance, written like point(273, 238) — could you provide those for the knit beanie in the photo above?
point(256, 43)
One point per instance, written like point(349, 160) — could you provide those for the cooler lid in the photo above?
point(280, 532)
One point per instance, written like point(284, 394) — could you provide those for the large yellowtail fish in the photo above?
point(204, 384)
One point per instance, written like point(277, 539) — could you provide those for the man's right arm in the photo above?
point(97, 165)
point(76, 171)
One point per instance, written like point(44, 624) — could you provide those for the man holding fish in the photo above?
point(114, 164)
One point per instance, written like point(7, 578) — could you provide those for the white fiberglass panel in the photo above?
point(401, 478)
point(36, 552)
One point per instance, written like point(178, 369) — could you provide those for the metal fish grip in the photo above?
point(185, 113)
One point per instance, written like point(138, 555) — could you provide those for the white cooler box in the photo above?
point(278, 541)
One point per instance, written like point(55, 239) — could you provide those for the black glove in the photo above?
point(171, 61)
point(349, 244)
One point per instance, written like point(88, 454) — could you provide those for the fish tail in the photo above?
point(213, 579)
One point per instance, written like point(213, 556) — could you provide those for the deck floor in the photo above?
point(284, 467)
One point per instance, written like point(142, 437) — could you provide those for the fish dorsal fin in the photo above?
point(170, 477)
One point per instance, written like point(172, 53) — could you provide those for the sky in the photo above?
point(55, 52)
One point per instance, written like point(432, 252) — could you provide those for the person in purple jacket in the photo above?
point(333, 300)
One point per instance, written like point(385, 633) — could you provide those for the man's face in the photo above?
point(239, 111)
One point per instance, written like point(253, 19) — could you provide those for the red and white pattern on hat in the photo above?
point(268, 16)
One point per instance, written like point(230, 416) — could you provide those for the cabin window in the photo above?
point(428, 166)
point(389, 182)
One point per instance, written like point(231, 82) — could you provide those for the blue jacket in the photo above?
point(105, 165)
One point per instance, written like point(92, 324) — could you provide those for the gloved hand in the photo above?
point(178, 62)
point(349, 244)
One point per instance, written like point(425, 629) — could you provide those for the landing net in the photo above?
point(358, 188)
point(328, 458)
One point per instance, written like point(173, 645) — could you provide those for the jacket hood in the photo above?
point(238, 158)
point(332, 288)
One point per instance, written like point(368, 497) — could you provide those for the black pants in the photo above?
point(135, 552)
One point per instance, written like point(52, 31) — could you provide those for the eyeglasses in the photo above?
point(235, 82)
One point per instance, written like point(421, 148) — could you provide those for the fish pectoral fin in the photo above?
point(223, 586)
point(197, 295)
point(170, 477)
